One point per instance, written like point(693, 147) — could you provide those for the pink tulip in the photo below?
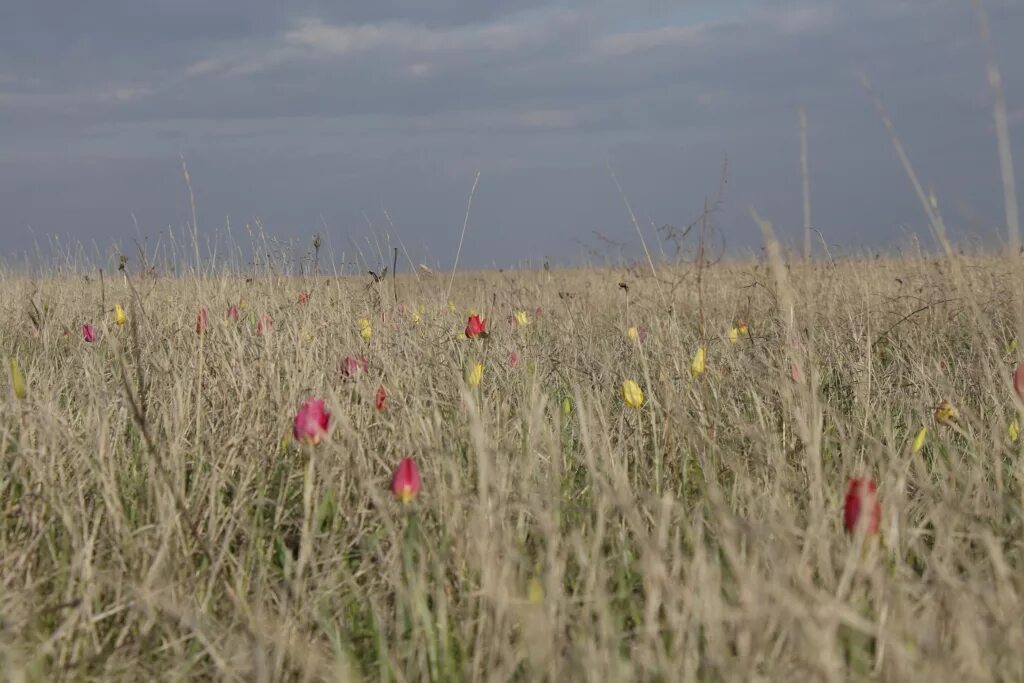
point(88, 334)
point(264, 324)
point(795, 373)
point(1018, 381)
point(304, 297)
point(311, 422)
point(513, 359)
point(405, 483)
point(202, 321)
point(350, 367)
point(381, 399)
point(233, 312)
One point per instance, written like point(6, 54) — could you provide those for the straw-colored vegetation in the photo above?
point(159, 522)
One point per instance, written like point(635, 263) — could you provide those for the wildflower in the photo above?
point(17, 379)
point(381, 398)
point(1014, 430)
point(475, 374)
point(633, 334)
point(310, 423)
point(365, 329)
point(119, 317)
point(632, 394)
point(1018, 381)
point(861, 507)
point(535, 591)
point(919, 440)
point(513, 359)
point(697, 364)
point(202, 321)
point(566, 406)
point(350, 367)
point(795, 373)
point(522, 319)
point(233, 312)
point(405, 482)
point(734, 334)
point(741, 328)
point(945, 413)
point(88, 334)
point(303, 297)
point(416, 318)
point(264, 324)
point(476, 327)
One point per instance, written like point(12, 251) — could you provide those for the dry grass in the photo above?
point(156, 525)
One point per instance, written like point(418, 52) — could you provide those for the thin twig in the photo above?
point(465, 223)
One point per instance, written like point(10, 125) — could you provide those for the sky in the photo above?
point(367, 122)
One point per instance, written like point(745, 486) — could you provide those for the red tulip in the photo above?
point(476, 327)
point(862, 498)
point(304, 297)
point(513, 359)
point(381, 399)
point(233, 312)
point(310, 423)
point(202, 321)
point(88, 334)
point(264, 324)
point(1018, 381)
point(405, 483)
point(350, 367)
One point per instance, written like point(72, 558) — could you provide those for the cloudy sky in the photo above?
point(319, 117)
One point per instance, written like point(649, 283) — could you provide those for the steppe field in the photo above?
point(169, 513)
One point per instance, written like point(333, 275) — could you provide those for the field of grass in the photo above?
point(159, 522)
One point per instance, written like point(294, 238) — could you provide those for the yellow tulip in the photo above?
point(919, 440)
point(522, 318)
point(632, 394)
point(119, 316)
point(535, 591)
point(475, 374)
point(945, 413)
point(734, 334)
point(365, 329)
point(17, 379)
point(1013, 344)
point(1014, 431)
point(697, 364)
point(633, 334)
point(416, 318)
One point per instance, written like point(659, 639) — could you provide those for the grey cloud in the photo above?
point(288, 114)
